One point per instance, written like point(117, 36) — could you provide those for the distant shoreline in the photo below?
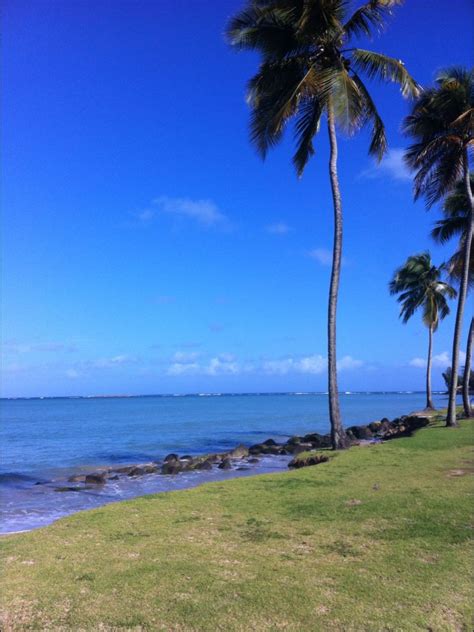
point(246, 394)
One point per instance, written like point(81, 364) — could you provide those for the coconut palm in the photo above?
point(455, 223)
point(442, 126)
point(309, 69)
point(419, 286)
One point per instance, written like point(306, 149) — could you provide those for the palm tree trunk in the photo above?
point(429, 400)
point(453, 388)
point(338, 436)
point(467, 373)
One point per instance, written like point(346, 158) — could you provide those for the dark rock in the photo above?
point(294, 440)
point(241, 468)
point(65, 488)
point(404, 426)
point(225, 464)
point(77, 478)
point(313, 459)
point(171, 467)
point(361, 432)
point(293, 448)
point(96, 478)
point(115, 477)
point(253, 460)
point(270, 442)
point(136, 471)
point(239, 452)
point(171, 457)
point(124, 470)
point(203, 465)
point(273, 449)
point(256, 449)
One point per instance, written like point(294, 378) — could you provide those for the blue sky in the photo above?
point(146, 247)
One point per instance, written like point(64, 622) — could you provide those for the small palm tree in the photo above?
point(455, 223)
point(442, 126)
point(309, 69)
point(418, 284)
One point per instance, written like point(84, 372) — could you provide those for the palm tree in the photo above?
point(309, 69)
point(418, 284)
point(442, 126)
point(455, 223)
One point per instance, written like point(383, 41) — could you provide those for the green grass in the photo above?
point(376, 539)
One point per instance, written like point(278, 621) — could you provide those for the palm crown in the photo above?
point(418, 283)
point(307, 66)
point(442, 125)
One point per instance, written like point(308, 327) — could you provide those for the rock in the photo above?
point(241, 468)
point(253, 460)
point(124, 470)
point(361, 432)
point(256, 449)
point(404, 426)
point(271, 449)
point(171, 467)
point(313, 459)
point(96, 478)
point(225, 464)
point(77, 478)
point(136, 471)
point(203, 465)
point(186, 457)
point(270, 442)
point(294, 440)
point(171, 457)
point(115, 477)
point(239, 452)
point(68, 489)
point(293, 448)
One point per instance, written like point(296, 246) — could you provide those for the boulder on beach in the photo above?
point(239, 452)
point(95, 478)
point(171, 457)
point(171, 467)
point(225, 464)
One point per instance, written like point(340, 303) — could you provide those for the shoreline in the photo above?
point(140, 479)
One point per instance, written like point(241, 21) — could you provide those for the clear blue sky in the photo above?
point(147, 249)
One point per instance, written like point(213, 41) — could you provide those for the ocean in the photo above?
point(46, 440)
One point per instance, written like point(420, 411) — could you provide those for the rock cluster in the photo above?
point(241, 456)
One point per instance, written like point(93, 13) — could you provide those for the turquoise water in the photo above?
point(45, 440)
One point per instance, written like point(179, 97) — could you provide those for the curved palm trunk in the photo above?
point(338, 436)
point(467, 373)
point(451, 416)
point(429, 400)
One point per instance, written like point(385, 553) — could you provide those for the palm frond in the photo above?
point(378, 143)
point(370, 16)
point(387, 68)
point(307, 126)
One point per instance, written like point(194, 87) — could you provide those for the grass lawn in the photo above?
point(378, 538)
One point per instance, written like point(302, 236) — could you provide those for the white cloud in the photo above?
point(322, 255)
point(392, 166)
point(314, 365)
point(18, 348)
point(280, 228)
point(118, 360)
point(440, 361)
point(204, 212)
point(187, 364)
point(72, 374)
point(186, 356)
point(348, 363)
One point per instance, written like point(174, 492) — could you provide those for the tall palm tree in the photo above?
point(418, 284)
point(442, 126)
point(455, 223)
point(309, 69)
